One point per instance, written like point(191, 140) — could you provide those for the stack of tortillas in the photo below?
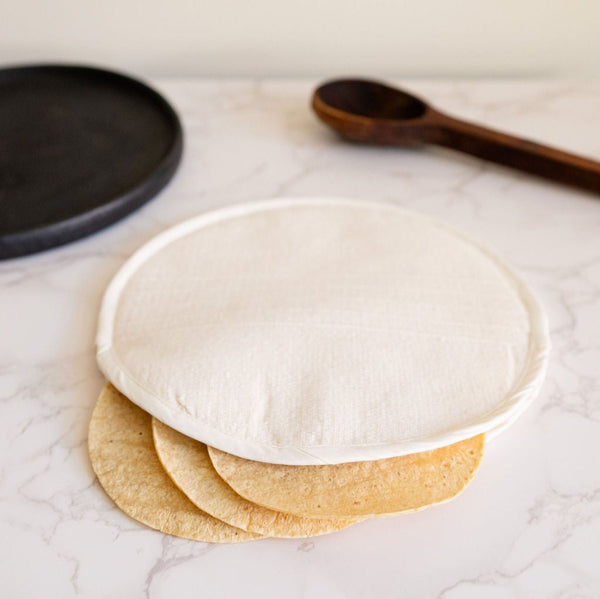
point(291, 367)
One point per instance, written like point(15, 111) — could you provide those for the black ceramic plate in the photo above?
point(79, 149)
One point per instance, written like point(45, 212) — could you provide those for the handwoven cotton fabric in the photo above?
point(317, 331)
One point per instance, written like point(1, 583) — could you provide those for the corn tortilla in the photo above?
point(123, 457)
point(188, 464)
point(355, 489)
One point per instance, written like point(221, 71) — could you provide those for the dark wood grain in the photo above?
point(371, 112)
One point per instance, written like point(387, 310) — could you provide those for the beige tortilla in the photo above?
point(356, 489)
point(123, 457)
point(188, 464)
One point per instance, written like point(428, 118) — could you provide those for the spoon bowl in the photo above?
point(371, 99)
point(372, 112)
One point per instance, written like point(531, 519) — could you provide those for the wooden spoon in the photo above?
point(372, 112)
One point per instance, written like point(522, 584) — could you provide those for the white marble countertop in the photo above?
point(529, 524)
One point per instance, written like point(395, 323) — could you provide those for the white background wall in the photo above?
point(309, 37)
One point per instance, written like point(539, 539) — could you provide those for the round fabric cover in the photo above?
point(314, 331)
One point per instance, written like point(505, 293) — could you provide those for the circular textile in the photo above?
point(315, 331)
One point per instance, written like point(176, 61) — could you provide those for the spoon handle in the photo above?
point(516, 152)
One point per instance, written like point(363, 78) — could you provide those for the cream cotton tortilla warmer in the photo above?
point(311, 331)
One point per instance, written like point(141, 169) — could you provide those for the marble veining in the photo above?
point(529, 524)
